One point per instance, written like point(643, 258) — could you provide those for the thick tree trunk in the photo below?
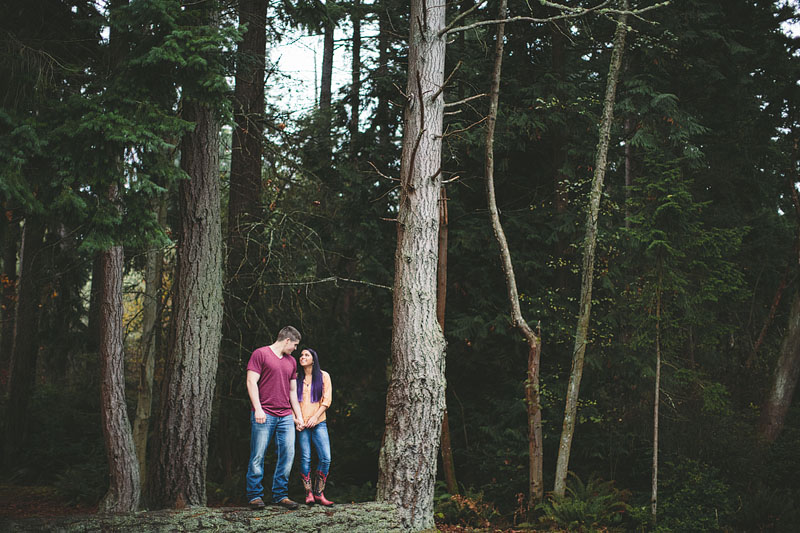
point(355, 87)
point(93, 326)
point(534, 346)
point(246, 190)
point(589, 243)
point(415, 400)
point(22, 372)
point(784, 381)
point(448, 466)
point(656, 401)
point(150, 327)
point(123, 468)
point(8, 280)
point(178, 466)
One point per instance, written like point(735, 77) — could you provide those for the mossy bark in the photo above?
point(367, 517)
point(177, 476)
point(415, 400)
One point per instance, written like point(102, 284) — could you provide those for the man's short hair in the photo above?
point(290, 333)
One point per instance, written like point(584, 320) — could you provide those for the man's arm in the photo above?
point(252, 392)
point(298, 414)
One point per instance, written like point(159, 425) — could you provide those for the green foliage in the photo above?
point(468, 510)
point(694, 497)
point(592, 506)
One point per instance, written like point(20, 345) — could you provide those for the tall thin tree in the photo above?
point(22, 370)
point(589, 244)
point(123, 468)
point(536, 489)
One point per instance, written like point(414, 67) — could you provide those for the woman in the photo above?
point(314, 394)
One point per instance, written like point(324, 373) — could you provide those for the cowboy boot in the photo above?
point(319, 487)
point(307, 488)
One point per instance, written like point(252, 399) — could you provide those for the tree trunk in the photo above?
point(8, 280)
point(589, 243)
point(448, 466)
point(123, 469)
point(326, 80)
point(784, 380)
point(559, 138)
point(178, 466)
point(534, 346)
point(629, 131)
point(355, 87)
point(22, 371)
point(654, 490)
point(382, 79)
point(150, 328)
point(246, 190)
point(415, 400)
point(93, 326)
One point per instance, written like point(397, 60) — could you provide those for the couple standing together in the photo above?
point(285, 398)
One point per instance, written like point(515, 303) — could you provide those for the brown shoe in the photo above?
point(288, 504)
point(256, 504)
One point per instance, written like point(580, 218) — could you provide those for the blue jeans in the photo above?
point(319, 434)
point(282, 427)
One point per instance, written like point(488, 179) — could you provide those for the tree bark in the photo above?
point(8, 280)
point(534, 346)
point(178, 467)
point(784, 380)
point(382, 79)
point(22, 371)
point(123, 469)
point(656, 401)
point(93, 326)
point(589, 243)
point(150, 327)
point(244, 212)
point(448, 466)
point(415, 400)
point(355, 87)
point(326, 79)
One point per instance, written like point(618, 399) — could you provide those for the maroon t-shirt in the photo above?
point(276, 373)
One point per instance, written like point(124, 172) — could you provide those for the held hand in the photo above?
point(299, 424)
point(261, 417)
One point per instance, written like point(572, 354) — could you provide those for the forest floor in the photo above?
point(28, 509)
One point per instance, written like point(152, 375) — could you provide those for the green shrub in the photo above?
point(593, 506)
point(768, 509)
point(468, 510)
point(694, 497)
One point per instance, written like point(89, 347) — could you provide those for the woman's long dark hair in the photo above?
point(316, 378)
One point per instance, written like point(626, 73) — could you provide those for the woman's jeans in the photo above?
point(319, 434)
point(282, 427)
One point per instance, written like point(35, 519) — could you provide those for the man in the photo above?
point(272, 389)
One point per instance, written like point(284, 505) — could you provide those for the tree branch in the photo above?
point(464, 101)
point(569, 12)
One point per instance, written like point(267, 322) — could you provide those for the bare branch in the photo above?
point(335, 279)
point(459, 17)
point(464, 101)
point(435, 96)
point(567, 13)
point(381, 174)
point(446, 134)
